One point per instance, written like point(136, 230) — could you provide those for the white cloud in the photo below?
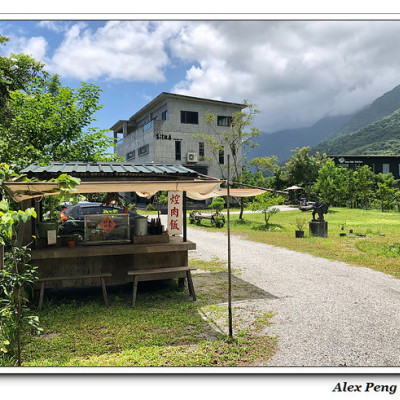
point(295, 71)
point(119, 50)
point(35, 46)
point(55, 26)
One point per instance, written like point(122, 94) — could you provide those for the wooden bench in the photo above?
point(159, 274)
point(64, 278)
point(216, 219)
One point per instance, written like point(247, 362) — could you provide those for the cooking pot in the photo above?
point(140, 228)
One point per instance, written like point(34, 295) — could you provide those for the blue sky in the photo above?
point(295, 71)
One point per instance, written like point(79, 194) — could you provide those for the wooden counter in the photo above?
point(175, 244)
point(116, 259)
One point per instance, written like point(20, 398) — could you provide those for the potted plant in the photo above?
point(73, 240)
point(342, 225)
point(300, 224)
point(219, 220)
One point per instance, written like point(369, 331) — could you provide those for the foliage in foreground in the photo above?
point(16, 276)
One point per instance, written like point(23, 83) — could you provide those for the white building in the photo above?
point(164, 132)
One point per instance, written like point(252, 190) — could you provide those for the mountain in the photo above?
point(281, 143)
point(381, 107)
point(379, 138)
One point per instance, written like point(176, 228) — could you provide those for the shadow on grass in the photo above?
point(263, 227)
point(210, 287)
point(79, 330)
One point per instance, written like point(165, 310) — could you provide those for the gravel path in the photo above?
point(327, 313)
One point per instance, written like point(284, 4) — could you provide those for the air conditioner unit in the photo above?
point(192, 157)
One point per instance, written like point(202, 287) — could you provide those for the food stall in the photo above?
point(121, 252)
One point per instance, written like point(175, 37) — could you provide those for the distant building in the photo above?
point(163, 132)
point(378, 164)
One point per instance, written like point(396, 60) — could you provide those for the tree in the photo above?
point(326, 186)
point(47, 124)
point(302, 168)
point(238, 138)
point(16, 72)
point(363, 189)
point(265, 203)
point(387, 191)
point(264, 165)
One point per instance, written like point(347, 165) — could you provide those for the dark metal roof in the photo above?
point(107, 168)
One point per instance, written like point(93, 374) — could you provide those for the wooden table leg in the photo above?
point(190, 285)
point(41, 296)
point(135, 283)
point(103, 286)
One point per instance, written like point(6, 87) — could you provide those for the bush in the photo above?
point(150, 207)
point(218, 204)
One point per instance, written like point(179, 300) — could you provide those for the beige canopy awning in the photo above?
point(20, 191)
point(233, 192)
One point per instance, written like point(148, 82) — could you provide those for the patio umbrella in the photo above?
point(294, 188)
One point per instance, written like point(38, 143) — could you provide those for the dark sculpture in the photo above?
point(319, 207)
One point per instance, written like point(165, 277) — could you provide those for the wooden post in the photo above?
point(25, 228)
point(184, 218)
point(229, 254)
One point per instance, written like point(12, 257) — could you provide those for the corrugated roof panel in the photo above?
point(118, 169)
point(69, 168)
point(80, 167)
point(93, 168)
point(107, 168)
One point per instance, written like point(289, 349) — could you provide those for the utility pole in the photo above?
point(229, 253)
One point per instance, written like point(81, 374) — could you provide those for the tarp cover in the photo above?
point(232, 192)
point(194, 189)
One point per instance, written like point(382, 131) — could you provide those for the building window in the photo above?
point(373, 167)
point(224, 121)
point(385, 168)
point(143, 150)
point(178, 150)
point(201, 150)
point(189, 117)
point(221, 156)
point(147, 126)
point(130, 155)
point(164, 115)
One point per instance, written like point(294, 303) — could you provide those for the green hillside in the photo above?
point(379, 138)
point(380, 108)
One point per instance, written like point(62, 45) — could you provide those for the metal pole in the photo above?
point(184, 217)
point(229, 253)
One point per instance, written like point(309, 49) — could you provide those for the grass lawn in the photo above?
point(165, 328)
point(381, 253)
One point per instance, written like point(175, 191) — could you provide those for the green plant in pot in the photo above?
point(219, 220)
point(300, 225)
point(342, 225)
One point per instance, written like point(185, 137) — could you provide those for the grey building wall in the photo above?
point(148, 133)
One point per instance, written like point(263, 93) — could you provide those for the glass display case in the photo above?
point(106, 229)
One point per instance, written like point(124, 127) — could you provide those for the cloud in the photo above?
point(35, 46)
point(55, 26)
point(131, 51)
point(295, 71)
